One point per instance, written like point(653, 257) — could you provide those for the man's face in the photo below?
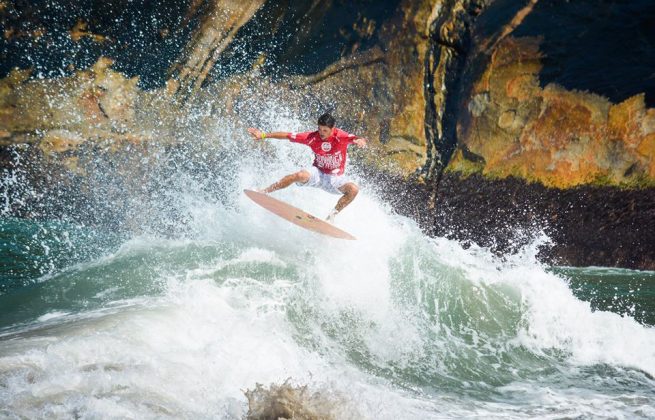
point(324, 131)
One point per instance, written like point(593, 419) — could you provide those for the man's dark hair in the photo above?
point(326, 119)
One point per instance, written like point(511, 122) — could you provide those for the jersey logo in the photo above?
point(328, 161)
point(326, 146)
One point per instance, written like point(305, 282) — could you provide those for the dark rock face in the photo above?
point(602, 46)
point(302, 37)
point(588, 226)
point(63, 36)
point(449, 46)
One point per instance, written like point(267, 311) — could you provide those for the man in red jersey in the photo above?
point(330, 146)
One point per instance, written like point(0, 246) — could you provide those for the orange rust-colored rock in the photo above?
point(521, 87)
point(59, 141)
point(80, 30)
point(551, 135)
point(64, 113)
point(646, 150)
point(624, 120)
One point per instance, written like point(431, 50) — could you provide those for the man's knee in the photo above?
point(350, 189)
point(301, 176)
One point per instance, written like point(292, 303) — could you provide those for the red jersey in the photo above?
point(329, 154)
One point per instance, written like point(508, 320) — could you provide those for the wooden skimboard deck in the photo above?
point(297, 216)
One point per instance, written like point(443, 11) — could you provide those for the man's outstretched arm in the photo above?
point(258, 134)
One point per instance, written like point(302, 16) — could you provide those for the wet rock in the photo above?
point(219, 24)
point(585, 225)
point(286, 401)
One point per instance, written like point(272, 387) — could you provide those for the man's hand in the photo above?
point(256, 133)
point(360, 142)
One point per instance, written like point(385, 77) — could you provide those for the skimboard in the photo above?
point(297, 216)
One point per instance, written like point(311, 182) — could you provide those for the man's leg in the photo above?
point(300, 176)
point(349, 191)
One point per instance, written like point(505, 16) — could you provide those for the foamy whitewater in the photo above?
point(395, 325)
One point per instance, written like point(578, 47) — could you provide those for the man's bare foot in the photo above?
point(333, 214)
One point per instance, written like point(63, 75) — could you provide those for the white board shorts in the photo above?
point(326, 182)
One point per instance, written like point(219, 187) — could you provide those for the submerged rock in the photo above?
point(286, 401)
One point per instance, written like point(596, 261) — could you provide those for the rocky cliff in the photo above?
point(495, 118)
point(539, 145)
